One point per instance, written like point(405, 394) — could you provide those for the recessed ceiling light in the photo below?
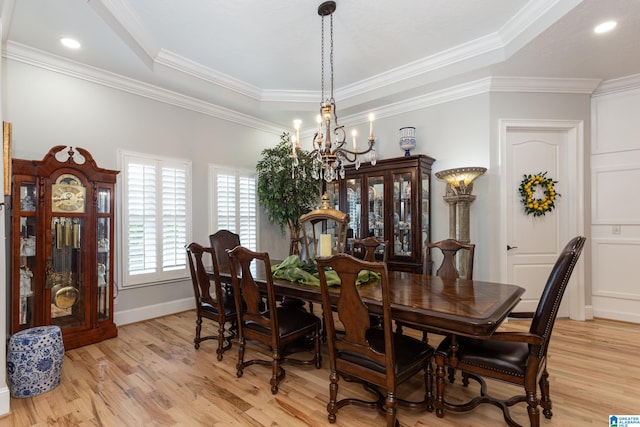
point(70, 43)
point(605, 26)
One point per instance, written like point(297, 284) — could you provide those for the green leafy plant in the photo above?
point(285, 197)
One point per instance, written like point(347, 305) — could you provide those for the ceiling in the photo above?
point(261, 59)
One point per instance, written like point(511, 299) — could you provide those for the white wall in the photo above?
point(615, 227)
point(48, 109)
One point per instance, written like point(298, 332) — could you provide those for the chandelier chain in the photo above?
point(322, 61)
point(331, 56)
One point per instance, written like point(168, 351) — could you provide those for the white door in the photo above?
point(534, 242)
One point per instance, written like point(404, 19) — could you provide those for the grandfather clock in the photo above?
point(62, 245)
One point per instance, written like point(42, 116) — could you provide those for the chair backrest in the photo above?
point(323, 226)
point(547, 310)
point(368, 247)
point(449, 249)
point(247, 292)
point(353, 312)
point(220, 241)
point(200, 276)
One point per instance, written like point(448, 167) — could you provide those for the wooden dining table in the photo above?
point(460, 306)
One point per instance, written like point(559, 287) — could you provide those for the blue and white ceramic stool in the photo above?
point(34, 360)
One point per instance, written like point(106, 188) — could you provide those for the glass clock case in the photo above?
point(62, 234)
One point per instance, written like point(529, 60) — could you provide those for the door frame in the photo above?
point(575, 204)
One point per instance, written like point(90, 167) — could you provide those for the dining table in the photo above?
point(458, 306)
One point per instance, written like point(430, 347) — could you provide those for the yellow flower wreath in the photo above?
point(533, 205)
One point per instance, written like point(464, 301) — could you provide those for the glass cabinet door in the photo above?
point(27, 258)
point(354, 208)
point(424, 202)
point(104, 252)
point(376, 207)
point(402, 214)
point(65, 272)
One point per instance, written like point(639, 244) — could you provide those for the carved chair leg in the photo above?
point(241, 345)
point(332, 407)
point(545, 400)
point(440, 382)
point(391, 405)
point(275, 371)
point(318, 350)
point(196, 340)
point(532, 408)
point(221, 340)
point(428, 386)
point(452, 375)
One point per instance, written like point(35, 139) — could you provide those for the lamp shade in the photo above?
point(461, 177)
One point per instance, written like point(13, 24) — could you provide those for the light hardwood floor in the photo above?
point(151, 375)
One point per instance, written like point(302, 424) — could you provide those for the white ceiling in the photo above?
point(261, 59)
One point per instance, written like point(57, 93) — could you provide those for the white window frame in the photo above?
point(158, 276)
point(214, 172)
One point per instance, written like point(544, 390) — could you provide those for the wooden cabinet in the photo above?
point(391, 201)
point(62, 229)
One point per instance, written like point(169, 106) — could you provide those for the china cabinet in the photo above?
point(391, 201)
point(62, 229)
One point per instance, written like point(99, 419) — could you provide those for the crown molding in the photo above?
point(192, 68)
point(543, 85)
point(622, 84)
point(37, 58)
point(56, 64)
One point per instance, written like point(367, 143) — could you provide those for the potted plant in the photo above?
point(284, 192)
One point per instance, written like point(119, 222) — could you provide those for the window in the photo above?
point(156, 218)
point(234, 203)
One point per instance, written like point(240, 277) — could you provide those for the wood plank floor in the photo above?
point(151, 375)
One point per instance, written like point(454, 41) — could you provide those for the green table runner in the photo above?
point(306, 272)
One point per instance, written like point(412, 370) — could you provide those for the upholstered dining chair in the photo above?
point(374, 356)
point(518, 358)
point(219, 307)
point(370, 249)
point(281, 328)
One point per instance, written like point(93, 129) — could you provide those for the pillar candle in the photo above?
point(325, 245)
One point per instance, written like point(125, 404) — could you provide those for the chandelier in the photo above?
point(328, 157)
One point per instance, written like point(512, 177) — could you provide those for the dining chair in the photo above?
point(284, 329)
point(324, 231)
point(450, 248)
point(518, 358)
point(219, 308)
point(447, 270)
point(370, 249)
point(375, 356)
point(220, 241)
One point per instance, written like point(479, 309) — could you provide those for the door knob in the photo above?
point(511, 247)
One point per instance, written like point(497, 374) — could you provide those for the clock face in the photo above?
point(68, 195)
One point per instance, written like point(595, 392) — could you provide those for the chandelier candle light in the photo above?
point(329, 157)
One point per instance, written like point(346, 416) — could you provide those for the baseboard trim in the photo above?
point(152, 311)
